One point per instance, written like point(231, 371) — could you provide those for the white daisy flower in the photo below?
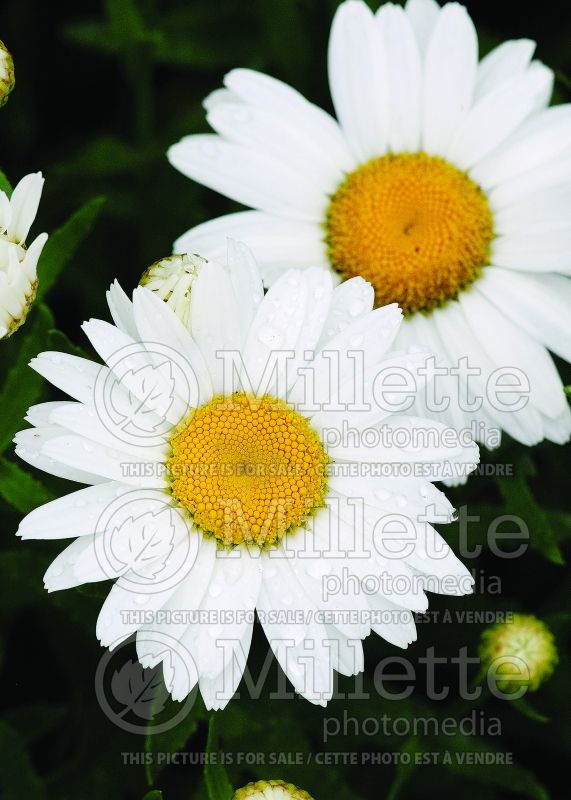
point(18, 264)
point(445, 182)
point(216, 493)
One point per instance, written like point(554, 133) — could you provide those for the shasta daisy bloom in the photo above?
point(445, 181)
point(214, 492)
point(18, 264)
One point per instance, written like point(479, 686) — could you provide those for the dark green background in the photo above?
point(102, 89)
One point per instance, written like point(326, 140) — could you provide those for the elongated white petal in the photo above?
point(502, 63)
point(358, 79)
point(249, 177)
point(450, 76)
point(278, 243)
point(405, 80)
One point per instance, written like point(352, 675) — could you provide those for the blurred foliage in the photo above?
point(103, 87)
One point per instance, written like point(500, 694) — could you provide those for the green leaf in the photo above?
point(519, 500)
point(20, 489)
point(404, 770)
point(215, 775)
point(154, 794)
point(18, 777)
point(173, 739)
point(5, 185)
point(58, 340)
point(63, 243)
point(22, 387)
point(473, 759)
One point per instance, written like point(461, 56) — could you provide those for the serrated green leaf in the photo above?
point(217, 783)
point(22, 387)
point(20, 489)
point(63, 243)
point(154, 794)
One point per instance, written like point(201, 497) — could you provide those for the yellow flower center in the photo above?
point(416, 227)
point(247, 469)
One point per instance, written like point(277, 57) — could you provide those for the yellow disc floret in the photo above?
point(248, 469)
point(416, 227)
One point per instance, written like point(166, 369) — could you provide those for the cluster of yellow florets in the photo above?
point(248, 469)
point(415, 226)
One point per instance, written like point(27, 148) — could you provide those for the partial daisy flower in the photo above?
point(445, 182)
point(7, 79)
point(237, 468)
point(18, 264)
point(271, 790)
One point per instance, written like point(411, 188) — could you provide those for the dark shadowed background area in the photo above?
point(102, 88)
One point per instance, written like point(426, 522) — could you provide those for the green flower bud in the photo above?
point(523, 650)
point(7, 79)
point(271, 790)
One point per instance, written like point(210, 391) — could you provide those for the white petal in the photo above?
point(537, 303)
point(215, 320)
point(509, 346)
point(282, 137)
point(358, 79)
point(405, 81)
point(422, 15)
point(525, 186)
point(79, 555)
point(24, 205)
point(247, 282)
point(499, 113)
point(263, 91)
point(31, 447)
point(547, 251)
point(274, 334)
point(81, 454)
point(73, 375)
point(502, 63)
point(121, 310)
point(157, 323)
point(276, 242)
point(247, 176)
point(544, 210)
point(350, 300)
point(450, 75)
point(540, 140)
point(75, 514)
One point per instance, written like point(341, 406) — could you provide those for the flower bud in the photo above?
point(171, 279)
point(271, 790)
point(18, 264)
point(7, 79)
point(523, 650)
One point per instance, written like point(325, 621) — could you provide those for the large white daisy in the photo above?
point(446, 182)
point(214, 493)
point(18, 265)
